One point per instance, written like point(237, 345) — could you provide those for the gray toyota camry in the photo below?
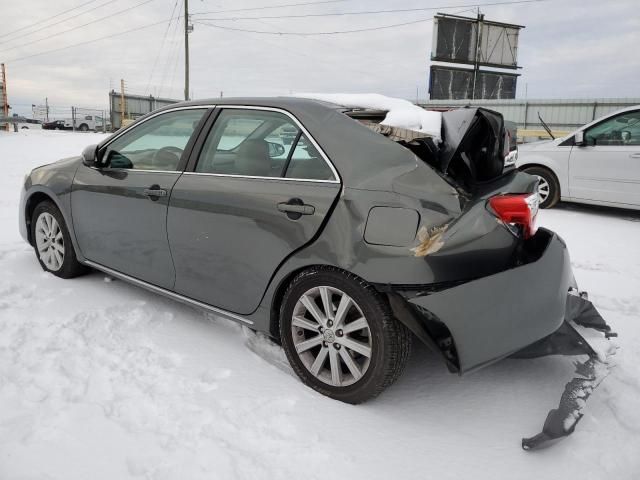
point(341, 236)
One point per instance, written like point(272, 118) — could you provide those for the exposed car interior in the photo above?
point(478, 155)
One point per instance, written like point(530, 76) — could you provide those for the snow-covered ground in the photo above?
point(103, 380)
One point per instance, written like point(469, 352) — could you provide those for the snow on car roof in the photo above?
point(400, 113)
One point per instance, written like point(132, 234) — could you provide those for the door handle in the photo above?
point(635, 155)
point(295, 208)
point(154, 191)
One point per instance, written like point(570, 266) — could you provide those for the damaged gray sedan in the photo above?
point(340, 234)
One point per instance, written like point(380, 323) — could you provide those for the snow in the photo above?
point(103, 380)
point(400, 113)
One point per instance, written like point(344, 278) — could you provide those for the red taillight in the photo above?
point(517, 210)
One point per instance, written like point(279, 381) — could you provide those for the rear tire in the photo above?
point(548, 188)
point(353, 359)
point(52, 242)
point(84, 127)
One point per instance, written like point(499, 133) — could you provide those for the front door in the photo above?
point(119, 210)
point(259, 191)
point(607, 167)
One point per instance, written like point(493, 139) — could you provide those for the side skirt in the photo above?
point(168, 293)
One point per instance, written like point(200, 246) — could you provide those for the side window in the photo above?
point(623, 129)
point(156, 144)
point(249, 143)
point(307, 163)
point(88, 117)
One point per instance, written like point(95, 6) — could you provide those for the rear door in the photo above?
point(259, 189)
point(607, 167)
point(119, 210)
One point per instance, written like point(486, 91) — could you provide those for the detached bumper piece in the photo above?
point(581, 316)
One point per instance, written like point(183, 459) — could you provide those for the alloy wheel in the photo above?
point(49, 241)
point(543, 188)
point(331, 336)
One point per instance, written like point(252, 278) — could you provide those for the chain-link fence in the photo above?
point(57, 117)
point(123, 109)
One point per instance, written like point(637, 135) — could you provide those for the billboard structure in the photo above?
point(477, 42)
point(451, 83)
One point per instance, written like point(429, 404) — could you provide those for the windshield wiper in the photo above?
point(546, 127)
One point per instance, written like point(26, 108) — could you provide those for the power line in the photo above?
point(143, 27)
point(373, 12)
point(172, 49)
point(46, 19)
point(58, 22)
point(164, 38)
point(271, 7)
point(175, 69)
point(303, 34)
point(79, 26)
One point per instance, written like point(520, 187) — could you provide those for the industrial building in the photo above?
point(561, 115)
point(133, 106)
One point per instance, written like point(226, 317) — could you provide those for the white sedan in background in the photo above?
point(597, 164)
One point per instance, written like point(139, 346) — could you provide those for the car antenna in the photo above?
point(546, 127)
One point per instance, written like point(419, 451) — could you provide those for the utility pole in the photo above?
point(122, 104)
point(46, 108)
point(187, 29)
point(476, 67)
point(5, 101)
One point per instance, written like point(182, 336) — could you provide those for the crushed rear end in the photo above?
point(505, 288)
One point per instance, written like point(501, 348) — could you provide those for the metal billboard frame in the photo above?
point(483, 50)
point(477, 42)
point(475, 79)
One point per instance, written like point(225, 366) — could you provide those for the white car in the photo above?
point(597, 164)
point(84, 123)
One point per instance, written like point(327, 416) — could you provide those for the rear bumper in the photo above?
point(497, 315)
point(531, 310)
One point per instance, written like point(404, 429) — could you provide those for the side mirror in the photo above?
point(120, 161)
point(275, 149)
point(578, 139)
point(90, 156)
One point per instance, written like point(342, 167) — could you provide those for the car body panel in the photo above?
point(598, 175)
point(53, 180)
point(551, 155)
point(106, 203)
point(532, 297)
point(224, 224)
point(605, 173)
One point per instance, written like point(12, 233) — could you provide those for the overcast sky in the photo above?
point(569, 48)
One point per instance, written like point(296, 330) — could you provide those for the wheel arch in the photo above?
point(38, 194)
point(400, 309)
point(33, 200)
point(280, 290)
point(522, 168)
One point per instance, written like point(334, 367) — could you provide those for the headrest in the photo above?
point(253, 158)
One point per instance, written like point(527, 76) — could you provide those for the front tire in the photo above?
point(548, 186)
point(52, 242)
point(340, 336)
